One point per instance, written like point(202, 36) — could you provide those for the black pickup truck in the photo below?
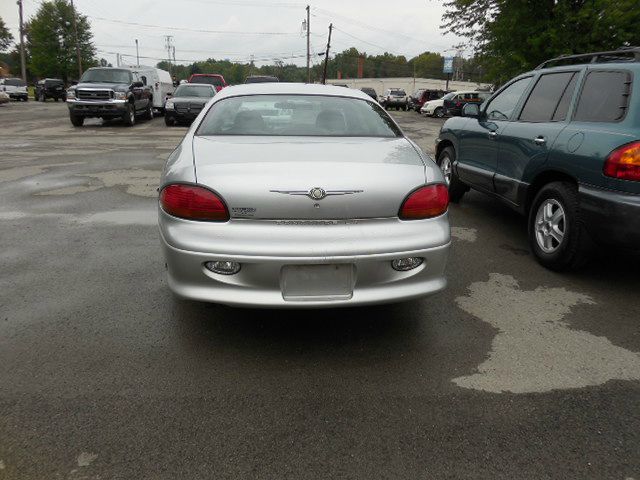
point(108, 93)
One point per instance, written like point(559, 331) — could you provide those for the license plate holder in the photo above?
point(317, 282)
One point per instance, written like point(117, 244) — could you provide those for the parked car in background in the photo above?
point(187, 102)
point(108, 93)
point(265, 204)
point(416, 100)
point(50, 88)
point(261, 79)
point(394, 97)
point(453, 106)
point(209, 78)
point(560, 144)
point(16, 88)
point(4, 98)
point(435, 108)
point(371, 92)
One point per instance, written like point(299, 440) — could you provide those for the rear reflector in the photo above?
point(425, 202)
point(193, 203)
point(624, 163)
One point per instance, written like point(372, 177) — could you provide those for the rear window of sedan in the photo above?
point(298, 115)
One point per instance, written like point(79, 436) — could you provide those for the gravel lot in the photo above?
point(512, 372)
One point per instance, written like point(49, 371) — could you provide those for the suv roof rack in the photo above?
point(623, 54)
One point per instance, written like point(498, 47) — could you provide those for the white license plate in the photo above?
point(317, 282)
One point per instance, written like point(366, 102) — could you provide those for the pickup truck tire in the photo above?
point(556, 230)
point(76, 120)
point(129, 117)
point(148, 113)
point(445, 160)
point(169, 121)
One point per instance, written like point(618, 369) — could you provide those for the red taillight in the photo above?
point(193, 203)
point(624, 162)
point(425, 202)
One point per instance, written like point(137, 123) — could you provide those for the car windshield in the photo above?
point(15, 82)
point(193, 91)
point(298, 115)
point(106, 75)
point(449, 96)
point(216, 81)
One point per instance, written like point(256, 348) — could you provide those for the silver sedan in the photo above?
point(292, 195)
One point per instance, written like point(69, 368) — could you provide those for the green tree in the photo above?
point(51, 41)
point(516, 35)
point(6, 39)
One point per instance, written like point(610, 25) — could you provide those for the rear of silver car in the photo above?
point(312, 222)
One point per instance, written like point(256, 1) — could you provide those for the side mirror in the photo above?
point(471, 110)
point(169, 94)
point(137, 85)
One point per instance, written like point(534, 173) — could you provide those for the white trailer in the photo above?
point(159, 81)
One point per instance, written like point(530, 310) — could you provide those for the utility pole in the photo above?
point(23, 65)
point(75, 34)
point(308, 44)
point(168, 46)
point(137, 55)
point(326, 56)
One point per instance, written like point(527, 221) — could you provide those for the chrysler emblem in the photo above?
point(316, 193)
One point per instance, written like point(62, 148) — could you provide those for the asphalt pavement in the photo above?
point(513, 372)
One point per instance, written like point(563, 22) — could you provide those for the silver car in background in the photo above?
point(293, 195)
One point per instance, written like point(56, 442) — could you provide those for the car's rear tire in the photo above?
point(438, 112)
point(445, 160)
point(76, 120)
point(129, 117)
point(169, 121)
point(556, 229)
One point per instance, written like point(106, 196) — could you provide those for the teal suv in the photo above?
point(561, 145)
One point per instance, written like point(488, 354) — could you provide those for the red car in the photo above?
point(210, 79)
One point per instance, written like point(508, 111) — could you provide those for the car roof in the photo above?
point(283, 88)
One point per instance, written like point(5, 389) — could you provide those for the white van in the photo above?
point(14, 87)
point(159, 81)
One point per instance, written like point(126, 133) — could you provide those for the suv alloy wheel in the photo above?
point(556, 230)
point(445, 160)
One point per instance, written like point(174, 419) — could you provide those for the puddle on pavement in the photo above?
point(535, 350)
point(140, 182)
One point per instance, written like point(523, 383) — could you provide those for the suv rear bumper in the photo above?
point(611, 217)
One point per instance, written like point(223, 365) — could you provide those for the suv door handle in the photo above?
point(540, 140)
point(493, 135)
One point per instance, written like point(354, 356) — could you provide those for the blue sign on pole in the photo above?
point(448, 65)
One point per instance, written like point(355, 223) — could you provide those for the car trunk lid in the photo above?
point(308, 177)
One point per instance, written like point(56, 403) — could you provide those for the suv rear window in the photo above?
point(604, 97)
point(545, 97)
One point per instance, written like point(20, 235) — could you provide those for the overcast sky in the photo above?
point(407, 27)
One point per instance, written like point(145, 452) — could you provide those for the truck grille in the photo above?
point(94, 94)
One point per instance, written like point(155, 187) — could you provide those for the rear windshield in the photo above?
point(216, 81)
point(186, 90)
point(397, 92)
point(15, 82)
point(298, 115)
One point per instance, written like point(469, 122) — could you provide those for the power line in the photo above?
point(193, 30)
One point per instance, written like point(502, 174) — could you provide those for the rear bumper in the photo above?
point(612, 218)
point(18, 95)
point(181, 117)
point(263, 256)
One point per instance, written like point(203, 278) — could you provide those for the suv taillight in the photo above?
point(624, 162)
point(193, 203)
point(425, 202)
